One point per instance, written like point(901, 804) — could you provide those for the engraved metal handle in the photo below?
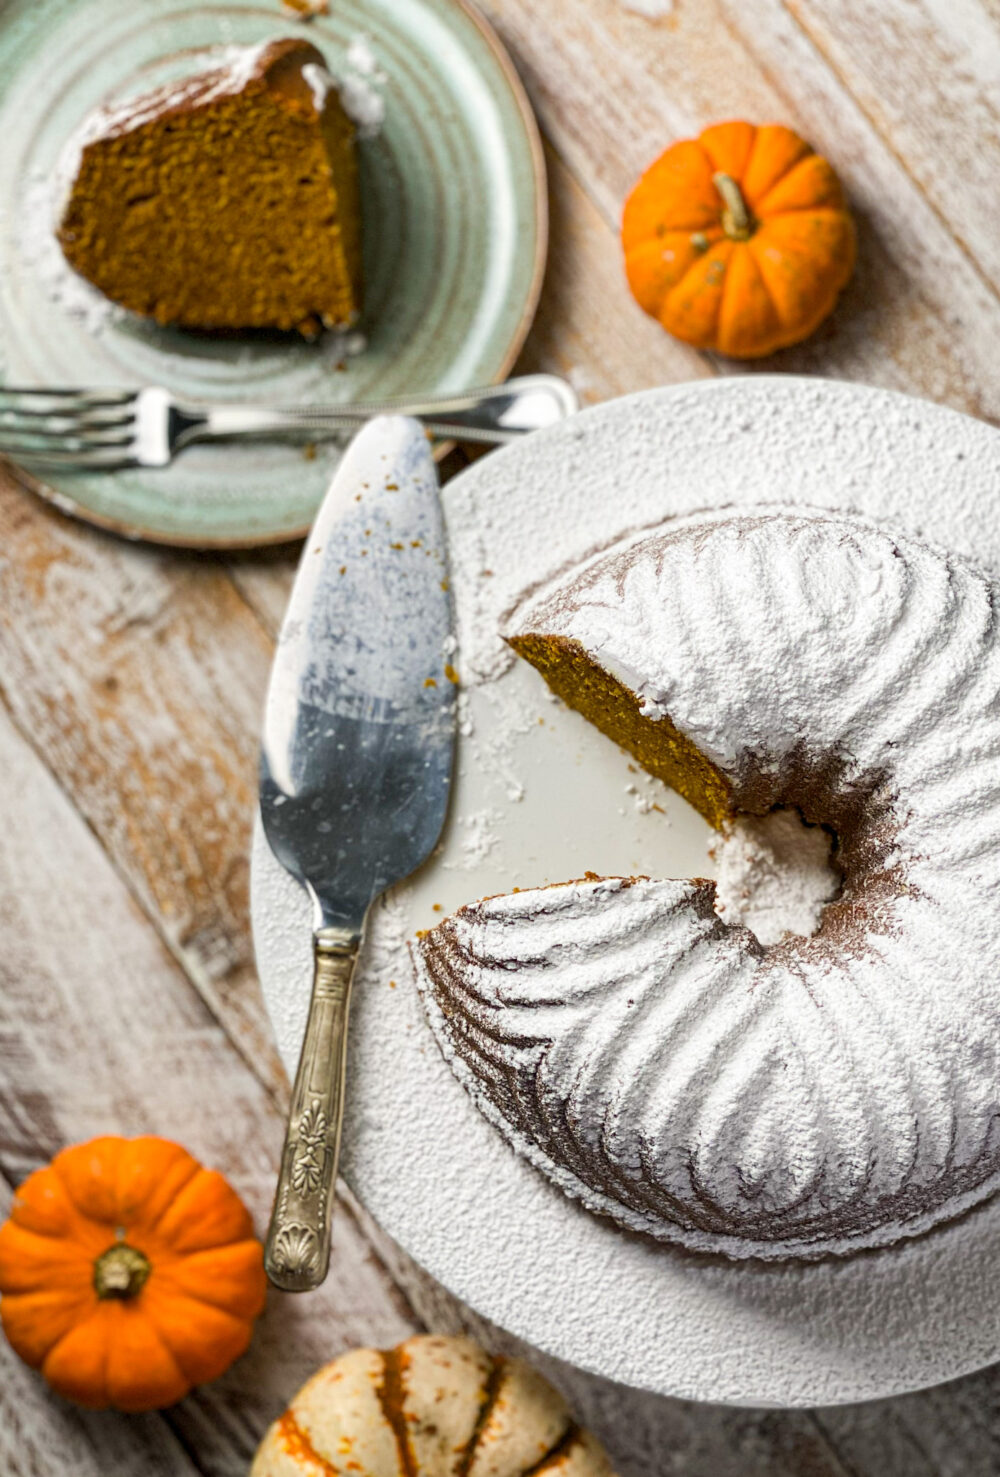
point(297, 1250)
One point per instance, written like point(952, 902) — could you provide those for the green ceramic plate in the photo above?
point(454, 203)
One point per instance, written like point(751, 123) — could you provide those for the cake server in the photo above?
point(354, 771)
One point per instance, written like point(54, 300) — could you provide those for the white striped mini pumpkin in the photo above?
point(431, 1407)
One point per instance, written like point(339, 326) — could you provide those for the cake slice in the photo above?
point(228, 200)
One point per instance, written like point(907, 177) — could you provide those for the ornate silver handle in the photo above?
point(297, 1250)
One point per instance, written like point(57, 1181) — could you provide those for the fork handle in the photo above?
point(297, 1250)
point(495, 414)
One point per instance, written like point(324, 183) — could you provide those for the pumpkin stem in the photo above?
point(121, 1272)
point(737, 222)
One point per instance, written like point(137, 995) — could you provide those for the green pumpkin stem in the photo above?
point(737, 222)
point(121, 1272)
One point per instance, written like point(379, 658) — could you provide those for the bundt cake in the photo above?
point(225, 201)
point(821, 1094)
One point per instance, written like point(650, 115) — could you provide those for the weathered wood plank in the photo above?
point(951, 1431)
point(941, 1433)
point(588, 328)
point(946, 54)
point(265, 581)
point(927, 306)
point(613, 88)
point(139, 674)
point(101, 1032)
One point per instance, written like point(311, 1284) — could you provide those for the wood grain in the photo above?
point(131, 683)
point(139, 675)
point(947, 53)
point(103, 1033)
point(613, 89)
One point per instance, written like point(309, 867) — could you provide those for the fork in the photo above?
point(105, 430)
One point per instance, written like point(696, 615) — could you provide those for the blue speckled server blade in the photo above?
point(360, 718)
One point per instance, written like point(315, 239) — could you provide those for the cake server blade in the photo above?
point(355, 770)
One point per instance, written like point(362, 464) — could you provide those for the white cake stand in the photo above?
point(541, 796)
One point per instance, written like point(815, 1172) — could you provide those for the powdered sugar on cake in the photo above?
point(629, 613)
point(223, 71)
point(363, 104)
point(822, 1094)
point(320, 84)
point(774, 875)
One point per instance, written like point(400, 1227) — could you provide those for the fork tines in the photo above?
point(86, 428)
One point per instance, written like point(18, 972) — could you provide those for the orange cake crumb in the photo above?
point(226, 201)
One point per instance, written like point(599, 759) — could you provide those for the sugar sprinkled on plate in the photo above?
point(39, 246)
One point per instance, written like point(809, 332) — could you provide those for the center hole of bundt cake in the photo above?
point(776, 874)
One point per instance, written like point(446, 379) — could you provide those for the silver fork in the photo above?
point(109, 429)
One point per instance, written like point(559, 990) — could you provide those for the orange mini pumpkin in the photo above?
point(739, 240)
point(129, 1273)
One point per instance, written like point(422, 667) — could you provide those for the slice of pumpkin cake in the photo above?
point(227, 200)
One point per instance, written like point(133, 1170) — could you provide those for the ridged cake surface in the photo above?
point(823, 1094)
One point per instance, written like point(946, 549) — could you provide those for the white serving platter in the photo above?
point(541, 796)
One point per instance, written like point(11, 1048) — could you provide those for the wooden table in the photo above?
point(132, 678)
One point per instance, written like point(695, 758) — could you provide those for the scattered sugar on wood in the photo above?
point(651, 10)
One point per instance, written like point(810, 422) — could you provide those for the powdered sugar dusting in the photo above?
point(362, 87)
point(774, 875)
point(363, 104)
point(362, 59)
point(38, 244)
point(224, 71)
point(652, 10)
point(480, 838)
point(667, 1068)
point(319, 82)
point(340, 344)
point(836, 1330)
point(379, 527)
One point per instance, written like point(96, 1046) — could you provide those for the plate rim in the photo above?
point(139, 533)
